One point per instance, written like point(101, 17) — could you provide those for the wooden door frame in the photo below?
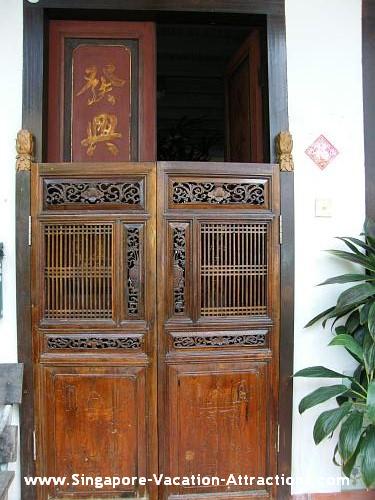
point(368, 61)
point(36, 16)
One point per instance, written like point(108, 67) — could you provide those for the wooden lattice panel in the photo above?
point(233, 269)
point(78, 271)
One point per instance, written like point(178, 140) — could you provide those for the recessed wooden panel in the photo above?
point(218, 421)
point(95, 419)
point(233, 269)
point(78, 271)
point(101, 102)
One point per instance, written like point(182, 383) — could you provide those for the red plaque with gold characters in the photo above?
point(101, 102)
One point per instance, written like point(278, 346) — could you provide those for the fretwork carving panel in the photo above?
point(134, 270)
point(233, 269)
point(219, 193)
point(101, 194)
point(78, 271)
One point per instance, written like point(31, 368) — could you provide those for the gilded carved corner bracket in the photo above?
point(284, 147)
point(25, 151)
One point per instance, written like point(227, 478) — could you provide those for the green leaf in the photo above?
point(346, 278)
point(320, 395)
point(327, 421)
point(363, 314)
point(349, 343)
point(361, 243)
point(355, 295)
point(334, 456)
point(338, 313)
point(369, 355)
point(371, 320)
point(356, 259)
point(319, 316)
point(368, 457)
point(340, 330)
point(319, 372)
point(352, 323)
point(359, 335)
point(352, 247)
point(371, 401)
point(348, 466)
point(350, 434)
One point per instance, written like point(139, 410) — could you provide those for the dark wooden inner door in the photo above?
point(106, 318)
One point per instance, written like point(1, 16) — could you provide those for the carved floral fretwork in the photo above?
point(133, 249)
point(220, 339)
point(249, 193)
point(179, 267)
point(93, 193)
point(91, 342)
point(25, 151)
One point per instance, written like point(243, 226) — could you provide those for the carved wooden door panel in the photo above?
point(218, 317)
point(94, 340)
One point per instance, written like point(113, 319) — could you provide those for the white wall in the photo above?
point(10, 123)
point(325, 97)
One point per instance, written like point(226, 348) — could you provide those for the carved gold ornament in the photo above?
point(102, 128)
point(284, 147)
point(25, 150)
point(101, 86)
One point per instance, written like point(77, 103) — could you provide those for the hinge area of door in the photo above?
point(30, 230)
point(281, 229)
point(278, 439)
point(34, 445)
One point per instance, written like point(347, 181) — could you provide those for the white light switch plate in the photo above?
point(323, 207)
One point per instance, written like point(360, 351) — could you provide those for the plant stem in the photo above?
point(361, 386)
point(358, 394)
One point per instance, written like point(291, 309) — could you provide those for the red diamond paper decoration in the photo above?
point(322, 152)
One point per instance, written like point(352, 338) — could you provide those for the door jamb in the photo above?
point(34, 119)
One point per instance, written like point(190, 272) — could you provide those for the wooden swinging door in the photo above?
point(218, 317)
point(94, 337)
point(101, 327)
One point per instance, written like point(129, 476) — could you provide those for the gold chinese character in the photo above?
point(102, 128)
point(101, 87)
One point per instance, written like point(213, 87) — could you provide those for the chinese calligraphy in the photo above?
point(99, 88)
point(102, 128)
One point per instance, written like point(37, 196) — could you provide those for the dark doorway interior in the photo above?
point(192, 62)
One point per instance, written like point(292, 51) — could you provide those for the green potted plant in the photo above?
point(355, 397)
